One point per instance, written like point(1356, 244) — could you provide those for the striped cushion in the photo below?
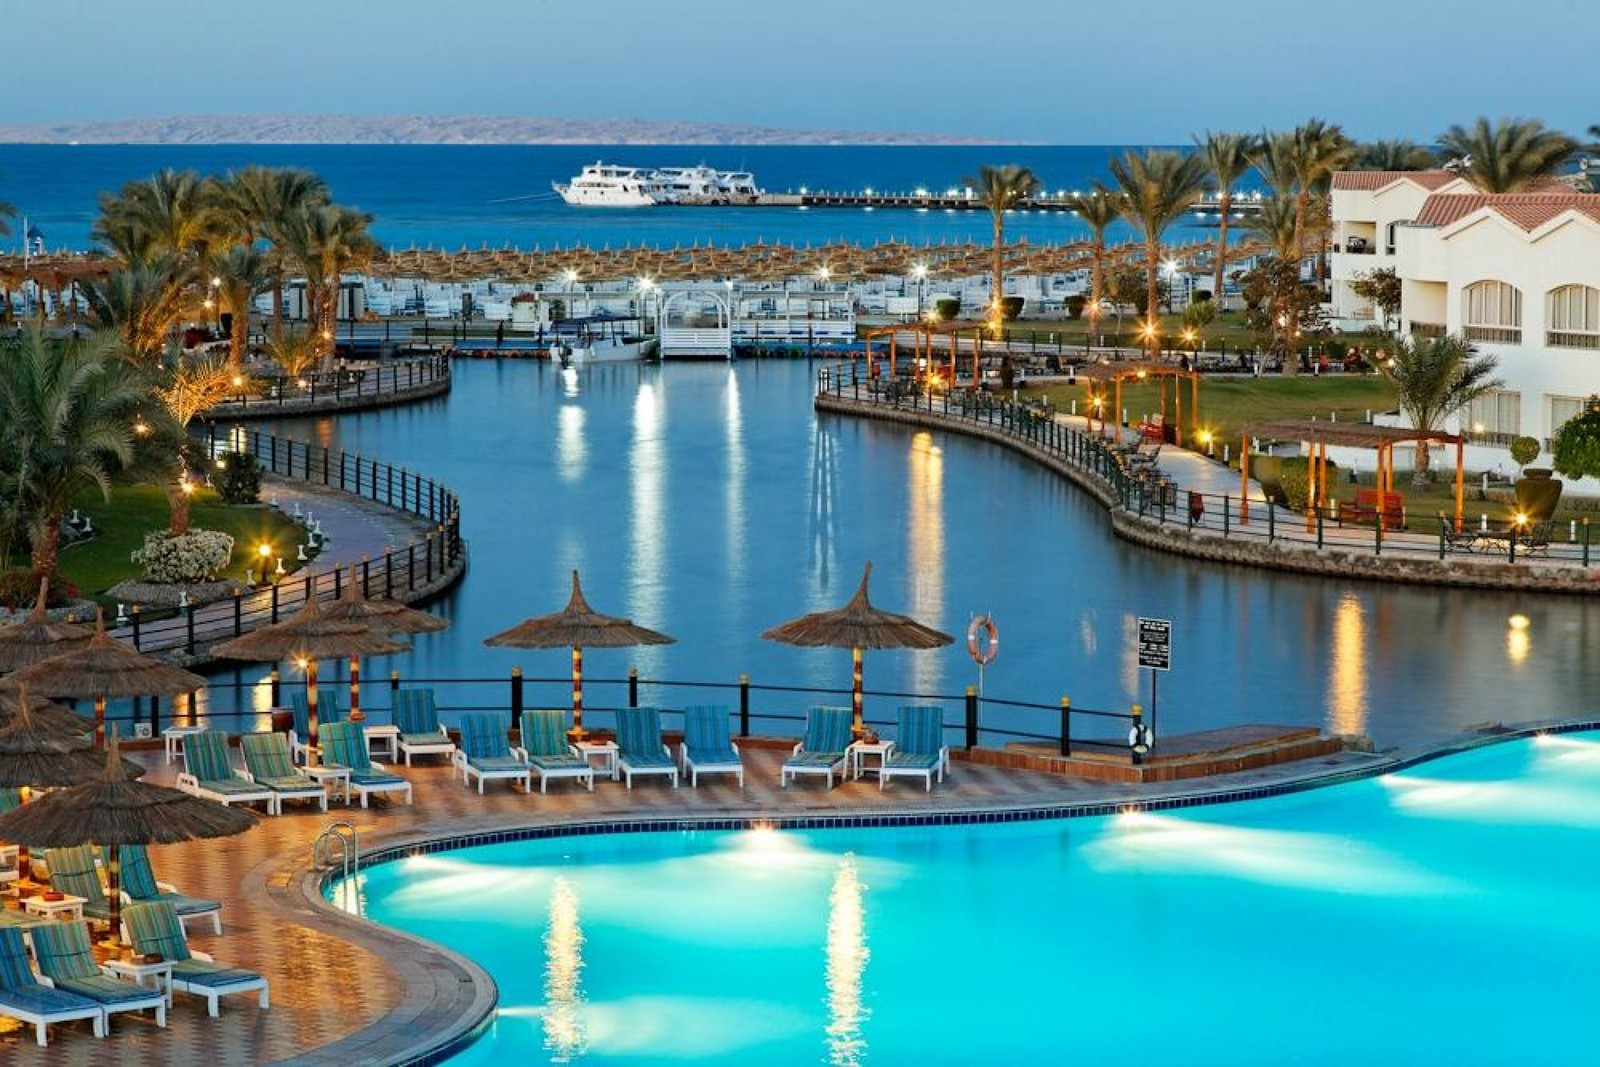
point(919, 729)
point(371, 777)
point(63, 951)
point(413, 710)
point(267, 756)
point(827, 730)
point(483, 737)
point(14, 970)
point(72, 871)
point(18, 920)
point(544, 733)
point(108, 992)
point(344, 744)
point(814, 759)
point(558, 763)
point(154, 928)
point(497, 764)
point(639, 736)
point(39, 1000)
point(922, 761)
point(328, 710)
point(138, 880)
point(205, 754)
point(211, 975)
point(705, 735)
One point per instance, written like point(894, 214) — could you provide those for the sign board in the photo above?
point(1155, 644)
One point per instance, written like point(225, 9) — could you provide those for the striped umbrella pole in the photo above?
point(857, 725)
point(577, 692)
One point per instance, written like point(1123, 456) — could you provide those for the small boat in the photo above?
point(605, 185)
point(601, 339)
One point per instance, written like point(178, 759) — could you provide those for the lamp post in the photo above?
point(571, 278)
point(920, 273)
point(646, 287)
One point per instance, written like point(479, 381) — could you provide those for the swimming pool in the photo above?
point(1443, 914)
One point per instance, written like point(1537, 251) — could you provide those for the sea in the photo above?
point(471, 196)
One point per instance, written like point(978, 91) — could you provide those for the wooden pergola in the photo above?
point(1319, 435)
point(1140, 373)
point(922, 346)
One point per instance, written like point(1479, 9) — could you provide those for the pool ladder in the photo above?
point(344, 835)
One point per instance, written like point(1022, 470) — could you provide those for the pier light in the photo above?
point(921, 191)
point(919, 271)
point(823, 274)
point(869, 190)
point(570, 276)
point(804, 190)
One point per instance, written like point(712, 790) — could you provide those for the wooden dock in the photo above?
point(927, 201)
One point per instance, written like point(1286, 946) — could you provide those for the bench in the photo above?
point(1369, 504)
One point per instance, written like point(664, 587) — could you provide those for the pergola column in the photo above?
point(1244, 478)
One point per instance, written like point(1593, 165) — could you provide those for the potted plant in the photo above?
point(1536, 491)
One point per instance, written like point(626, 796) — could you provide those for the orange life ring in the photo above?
point(983, 654)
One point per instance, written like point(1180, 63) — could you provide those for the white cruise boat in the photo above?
point(740, 183)
point(606, 185)
point(686, 183)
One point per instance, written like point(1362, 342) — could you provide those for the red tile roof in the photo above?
point(1527, 211)
point(1373, 180)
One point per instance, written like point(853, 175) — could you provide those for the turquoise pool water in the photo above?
point(1440, 915)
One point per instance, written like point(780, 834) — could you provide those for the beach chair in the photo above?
point(154, 929)
point(344, 744)
point(416, 716)
point(267, 762)
point(919, 749)
point(66, 961)
point(74, 872)
point(208, 772)
point(823, 748)
point(140, 886)
point(546, 751)
point(640, 749)
point(706, 747)
point(486, 753)
point(24, 998)
point(328, 710)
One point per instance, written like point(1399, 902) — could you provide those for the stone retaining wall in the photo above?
point(327, 405)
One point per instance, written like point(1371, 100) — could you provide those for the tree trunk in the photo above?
point(178, 507)
point(1152, 296)
point(277, 305)
point(46, 545)
point(1422, 473)
point(997, 283)
point(1224, 203)
point(241, 335)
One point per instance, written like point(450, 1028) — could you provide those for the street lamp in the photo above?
point(571, 278)
point(919, 271)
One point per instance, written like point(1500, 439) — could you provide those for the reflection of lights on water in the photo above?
point(1347, 670)
point(350, 895)
point(569, 381)
point(847, 961)
point(925, 484)
point(1518, 639)
point(647, 477)
point(565, 1035)
point(572, 449)
point(1505, 803)
point(1518, 622)
point(734, 484)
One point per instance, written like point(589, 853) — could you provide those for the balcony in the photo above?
point(1569, 339)
point(1498, 335)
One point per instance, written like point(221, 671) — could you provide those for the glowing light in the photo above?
point(1518, 622)
point(264, 550)
point(565, 1034)
point(847, 962)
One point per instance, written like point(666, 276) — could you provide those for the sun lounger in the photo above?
point(25, 998)
point(208, 772)
point(154, 928)
point(919, 749)
point(66, 961)
point(344, 744)
point(267, 763)
point(640, 749)
point(823, 748)
point(139, 886)
point(328, 710)
point(546, 750)
point(485, 752)
point(417, 717)
point(73, 872)
point(706, 747)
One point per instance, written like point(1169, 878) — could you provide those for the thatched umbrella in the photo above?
point(115, 811)
point(48, 716)
point(104, 668)
point(306, 637)
point(381, 615)
point(857, 626)
point(577, 626)
point(35, 637)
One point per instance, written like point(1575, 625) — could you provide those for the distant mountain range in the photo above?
point(439, 129)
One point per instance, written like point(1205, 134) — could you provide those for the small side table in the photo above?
point(859, 750)
point(159, 974)
point(384, 734)
point(68, 908)
point(605, 750)
point(336, 780)
point(173, 737)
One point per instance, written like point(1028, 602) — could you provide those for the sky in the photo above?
point(1037, 71)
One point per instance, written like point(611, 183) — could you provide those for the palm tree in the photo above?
point(1096, 209)
point(1435, 377)
point(1228, 156)
point(239, 272)
point(189, 387)
point(1393, 155)
point(258, 203)
point(324, 243)
point(1317, 149)
point(141, 303)
point(1507, 157)
point(68, 408)
point(294, 351)
point(1158, 186)
point(168, 213)
point(1000, 189)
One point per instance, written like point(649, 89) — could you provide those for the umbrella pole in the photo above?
point(857, 724)
point(100, 722)
point(355, 689)
point(311, 704)
point(577, 693)
point(114, 894)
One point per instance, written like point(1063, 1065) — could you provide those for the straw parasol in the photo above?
point(35, 637)
point(306, 637)
point(381, 615)
point(48, 716)
point(115, 811)
point(103, 668)
point(857, 626)
point(577, 626)
point(33, 755)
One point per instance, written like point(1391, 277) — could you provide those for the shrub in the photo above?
point(1011, 307)
point(239, 481)
point(181, 559)
point(1075, 305)
point(1524, 450)
point(947, 307)
point(19, 589)
point(1286, 480)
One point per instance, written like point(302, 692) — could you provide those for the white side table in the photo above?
point(159, 974)
point(384, 734)
point(68, 908)
point(173, 737)
point(336, 780)
point(859, 750)
point(605, 750)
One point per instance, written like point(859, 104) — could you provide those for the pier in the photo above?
point(1243, 206)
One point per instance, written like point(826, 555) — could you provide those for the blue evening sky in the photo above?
point(1055, 71)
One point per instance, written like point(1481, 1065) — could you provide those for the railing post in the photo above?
point(1319, 529)
point(238, 612)
point(394, 688)
point(274, 602)
point(366, 576)
point(411, 566)
point(1272, 521)
point(1586, 540)
point(134, 615)
point(388, 575)
point(188, 628)
point(1066, 726)
point(1441, 536)
point(516, 696)
point(1136, 735)
point(1377, 530)
point(633, 687)
point(1227, 517)
point(275, 688)
point(972, 717)
point(427, 551)
point(744, 705)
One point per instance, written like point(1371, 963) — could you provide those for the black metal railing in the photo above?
point(286, 393)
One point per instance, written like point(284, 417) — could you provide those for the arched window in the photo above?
point(1492, 311)
point(1572, 317)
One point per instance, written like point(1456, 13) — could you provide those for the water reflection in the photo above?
point(822, 489)
point(1347, 670)
point(1518, 641)
point(572, 449)
point(734, 521)
point(648, 529)
point(565, 1034)
point(925, 540)
point(847, 962)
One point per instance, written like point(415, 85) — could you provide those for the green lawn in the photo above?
point(98, 564)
